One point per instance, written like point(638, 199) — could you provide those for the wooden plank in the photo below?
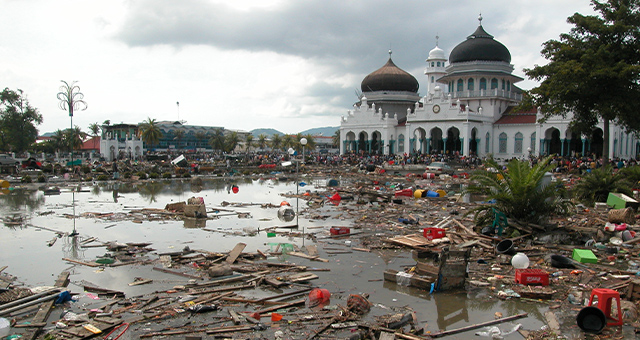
point(305, 256)
point(235, 252)
point(552, 321)
point(45, 309)
point(90, 264)
point(177, 273)
point(476, 326)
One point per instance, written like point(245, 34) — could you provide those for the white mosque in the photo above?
point(468, 110)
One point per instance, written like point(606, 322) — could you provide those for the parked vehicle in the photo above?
point(8, 160)
point(439, 168)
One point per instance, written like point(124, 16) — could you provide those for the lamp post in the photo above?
point(71, 99)
point(303, 142)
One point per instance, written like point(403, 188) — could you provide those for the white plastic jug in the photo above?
point(520, 261)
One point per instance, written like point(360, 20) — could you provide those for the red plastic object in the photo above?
point(340, 230)
point(318, 296)
point(235, 189)
point(532, 276)
point(428, 175)
point(404, 192)
point(276, 317)
point(605, 297)
point(335, 197)
point(433, 233)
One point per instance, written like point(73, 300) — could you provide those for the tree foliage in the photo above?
point(150, 132)
point(593, 70)
point(519, 191)
point(596, 185)
point(18, 121)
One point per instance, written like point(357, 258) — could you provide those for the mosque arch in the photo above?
point(551, 142)
point(483, 84)
point(596, 142)
point(494, 83)
point(474, 142)
point(401, 148)
point(502, 143)
point(436, 145)
point(453, 143)
point(362, 145)
point(376, 143)
point(470, 84)
point(420, 140)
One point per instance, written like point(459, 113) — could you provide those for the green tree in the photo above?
point(519, 191)
point(335, 139)
point(178, 135)
point(288, 141)
point(276, 141)
point(200, 136)
point(58, 139)
point(94, 128)
point(593, 71)
point(18, 121)
point(231, 141)
point(106, 122)
point(217, 140)
point(596, 185)
point(150, 132)
point(74, 137)
point(248, 142)
point(262, 141)
point(311, 143)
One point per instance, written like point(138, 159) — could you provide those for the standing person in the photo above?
point(114, 169)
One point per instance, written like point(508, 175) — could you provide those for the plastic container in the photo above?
point(318, 296)
point(433, 233)
point(419, 193)
point(532, 277)
point(432, 193)
point(520, 261)
point(428, 175)
point(340, 230)
point(404, 193)
point(591, 319)
point(505, 247)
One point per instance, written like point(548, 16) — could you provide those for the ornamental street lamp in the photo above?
point(71, 99)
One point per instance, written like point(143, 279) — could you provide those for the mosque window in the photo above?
point(508, 85)
point(432, 64)
point(486, 144)
point(503, 84)
point(470, 84)
point(433, 79)
point(401, 143)
point(533, 142)
point(438, 63)
point(494, 83)
point(518, 145)
point(460, 85)
point(483, 84)
point(502, 143)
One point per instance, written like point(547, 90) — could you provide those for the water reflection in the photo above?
point(22, 200)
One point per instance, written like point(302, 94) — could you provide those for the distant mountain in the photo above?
point(266, 132)
point(328, 131)
point(323, 131)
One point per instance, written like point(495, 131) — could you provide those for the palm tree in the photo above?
point(94, 128)
point(248, 142)
point(217, 140)
point(276, 141)
point(150, 132)
point(179, 135)
point(231, 141)
point(75, 137)
point(335, 139)
point(288, 141)
point(58, 140)
point(519, 191)
point(596, 186)
point(311, 142)
point(106, 122)
point(200, 136)
point(262, 141)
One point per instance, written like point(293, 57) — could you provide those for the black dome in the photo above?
point(389, 78)
point(480, 46)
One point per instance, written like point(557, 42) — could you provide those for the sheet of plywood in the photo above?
point(237, 250)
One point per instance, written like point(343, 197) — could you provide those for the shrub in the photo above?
point(26, 179)
point(103, 177)
point(154, 175)
point(42, 178)
point(186, 175)
point(47, 168)
point(141, 174)
point(127, 175)
point(85, 169)
point(167, 175)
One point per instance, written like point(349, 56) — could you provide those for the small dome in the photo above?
point(389, 78)
point(436, 53)
point(480, 46)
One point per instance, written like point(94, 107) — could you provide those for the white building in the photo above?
point(468, 110)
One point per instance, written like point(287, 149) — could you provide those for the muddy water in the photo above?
point(24, 249)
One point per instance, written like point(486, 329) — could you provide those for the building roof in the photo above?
point(480, 46)
point(525, 117)
point(389, 78)
point(92, 143)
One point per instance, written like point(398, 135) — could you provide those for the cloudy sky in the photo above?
point(290, 65)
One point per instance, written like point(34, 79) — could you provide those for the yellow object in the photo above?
point(500, 177)
point(418, 193)
point(4, 184)
point(91, 328)
point(441, 192)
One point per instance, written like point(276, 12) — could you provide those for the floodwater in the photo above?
point(24, 246)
